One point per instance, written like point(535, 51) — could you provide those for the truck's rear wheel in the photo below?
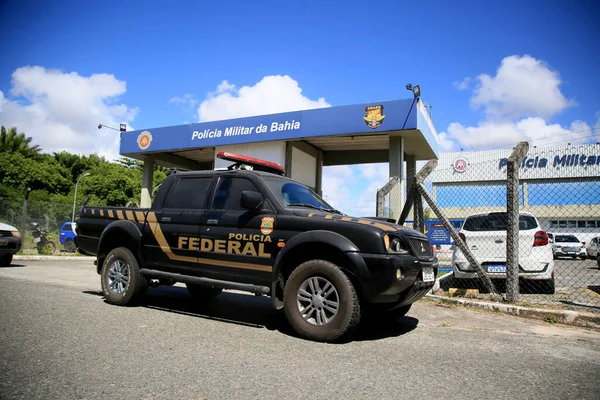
point(122, 283)
point(320, 302)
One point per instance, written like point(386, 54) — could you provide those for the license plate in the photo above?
point(428, 275)
point(3, 242)
point(497, 268)
point(36, 240)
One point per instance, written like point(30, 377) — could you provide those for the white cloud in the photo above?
point(187, 101)
point(61, 111)
point(273, 94)
point(518, 102)
point(463, 84)
point(489, 135)
point(523, 87)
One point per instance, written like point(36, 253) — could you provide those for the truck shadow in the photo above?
point(255, 311)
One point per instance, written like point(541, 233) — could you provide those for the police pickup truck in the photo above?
point(250, 228)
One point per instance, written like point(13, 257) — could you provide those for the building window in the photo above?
point(591, 224)
point(581, 224)
point(553, 224)
point(562, 224)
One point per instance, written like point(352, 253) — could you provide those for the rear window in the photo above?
point(566, 239)
point(497, 222)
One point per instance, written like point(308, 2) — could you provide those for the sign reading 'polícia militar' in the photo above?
point(565, 160)
point(246, 130)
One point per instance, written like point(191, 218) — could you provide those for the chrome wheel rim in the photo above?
point(318, 301)
point(118, 277)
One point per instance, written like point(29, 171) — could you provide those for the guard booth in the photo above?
point(398, 132)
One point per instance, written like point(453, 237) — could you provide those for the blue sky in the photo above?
point(156, 53)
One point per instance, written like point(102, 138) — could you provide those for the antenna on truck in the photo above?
point(251, 163)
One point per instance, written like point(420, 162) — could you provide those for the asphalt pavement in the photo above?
point(60, 340)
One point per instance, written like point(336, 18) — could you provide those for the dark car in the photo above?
point(10, 243)
point(250, 228)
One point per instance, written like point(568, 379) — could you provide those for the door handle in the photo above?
point(213, 221)
point(166, 219)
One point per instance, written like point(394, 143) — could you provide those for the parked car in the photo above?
point(592, 248)
point(67, 236)
point(568, 246)
point(10, 243)
point(485, 235)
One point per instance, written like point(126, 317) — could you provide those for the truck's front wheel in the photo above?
point(122, 282)
point(320, 302)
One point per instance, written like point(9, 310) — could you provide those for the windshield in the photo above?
point(497, 222)
point(292, 194)
point(566, 239)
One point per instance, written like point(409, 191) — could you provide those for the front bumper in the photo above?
point(385, 287)
point(10, 245)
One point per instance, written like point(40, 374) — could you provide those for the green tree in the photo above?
point(13, 142)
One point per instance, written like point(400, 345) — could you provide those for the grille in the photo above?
point(5, 233)
point(422, 248)
point(570, 249)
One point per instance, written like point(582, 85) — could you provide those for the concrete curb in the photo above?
point(566, 317)
point(51, 258)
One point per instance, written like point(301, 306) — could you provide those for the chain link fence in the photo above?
point(48, 217)
point(548, 227)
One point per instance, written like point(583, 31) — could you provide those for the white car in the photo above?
point(592, 248)
point(485, 235)
point(10, 243)
point(568, 246)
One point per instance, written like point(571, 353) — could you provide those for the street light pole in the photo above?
point(75, 195)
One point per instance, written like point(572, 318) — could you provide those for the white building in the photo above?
point(560, 185)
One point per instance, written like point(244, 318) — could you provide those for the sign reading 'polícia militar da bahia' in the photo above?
point(246, 130)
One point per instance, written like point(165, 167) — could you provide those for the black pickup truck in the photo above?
point(250, 228)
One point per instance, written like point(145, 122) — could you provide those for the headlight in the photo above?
point(16, 234)
point(395, 244)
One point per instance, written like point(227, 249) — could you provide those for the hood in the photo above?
point(6, 227)
point(381, 223)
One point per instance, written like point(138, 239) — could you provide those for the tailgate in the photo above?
point(493, 244)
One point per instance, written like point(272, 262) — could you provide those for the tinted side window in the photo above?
point(497, 222)
point(229, 193)
point(188, 193)
point(67, 227)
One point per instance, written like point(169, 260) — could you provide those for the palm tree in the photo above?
point(13, 142)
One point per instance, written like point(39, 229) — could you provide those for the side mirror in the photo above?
point(251, 200)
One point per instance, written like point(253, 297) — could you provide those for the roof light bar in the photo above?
point(255, 163)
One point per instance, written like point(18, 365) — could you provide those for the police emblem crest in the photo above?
point(266, 225)
point(374, 116)
point(144, 140)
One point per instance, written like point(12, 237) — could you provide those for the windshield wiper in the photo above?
point(332, 210)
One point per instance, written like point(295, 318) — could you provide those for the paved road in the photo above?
point(59, 339)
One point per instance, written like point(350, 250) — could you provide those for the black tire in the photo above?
point(548, 286)
point(5, 260)
point(70, 246)
point(136, 284)
point(203, 292)
point(347, 316)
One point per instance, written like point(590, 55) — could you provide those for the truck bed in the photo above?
point(93, 220)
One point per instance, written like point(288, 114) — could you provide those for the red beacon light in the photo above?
point(251, 163)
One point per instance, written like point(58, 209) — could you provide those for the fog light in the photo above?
point(398, 274)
